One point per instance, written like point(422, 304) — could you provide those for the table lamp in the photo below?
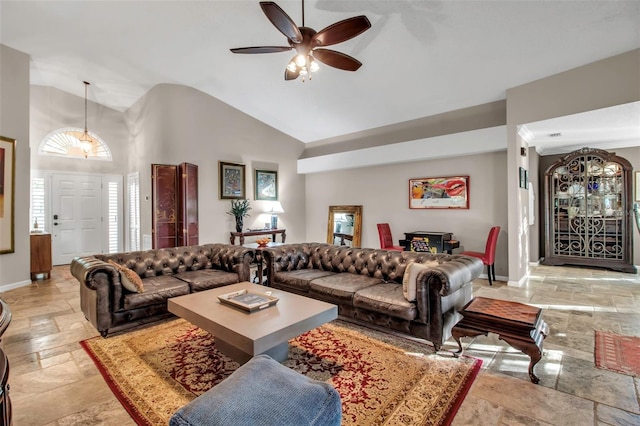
point(274, 209)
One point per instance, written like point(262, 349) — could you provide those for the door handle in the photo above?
point(55, 223)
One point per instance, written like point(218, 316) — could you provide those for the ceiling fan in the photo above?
point(309, 44)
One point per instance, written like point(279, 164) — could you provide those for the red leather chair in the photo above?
point(386, 240)
point(489, 255)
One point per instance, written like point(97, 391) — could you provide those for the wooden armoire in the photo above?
point(588, 211)
point(174, 199)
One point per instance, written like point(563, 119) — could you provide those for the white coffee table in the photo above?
point(242, 335)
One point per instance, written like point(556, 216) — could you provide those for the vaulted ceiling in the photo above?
point(420, 58)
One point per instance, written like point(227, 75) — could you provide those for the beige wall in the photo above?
point(14, 123)
point(174, 124)
point(538, 195)
point(383, 191)
point(476, 117)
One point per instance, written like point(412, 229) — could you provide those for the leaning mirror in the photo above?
point(344, 225)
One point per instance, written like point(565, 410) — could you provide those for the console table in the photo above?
point(517, 324)
point(272, 232)
point(342, 237)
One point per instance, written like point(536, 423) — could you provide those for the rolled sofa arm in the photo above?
point(232, 258)
point(84, 269)
point(444, 279)
point(450, 275)
point(100, 290)
point(289, 257)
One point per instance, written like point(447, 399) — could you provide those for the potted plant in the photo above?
point(239, 210)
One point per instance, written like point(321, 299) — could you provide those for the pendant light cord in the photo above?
point(86, 84)
point(303, 13)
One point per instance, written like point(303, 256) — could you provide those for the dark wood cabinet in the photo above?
point(164, 193)
point(188, 204)
point(40, 255)
point(174, 199)
point(588, 211)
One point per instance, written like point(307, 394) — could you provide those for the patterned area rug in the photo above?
point(617, 353)
point(382, 379)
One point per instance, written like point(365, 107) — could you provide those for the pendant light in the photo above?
point(86, 142)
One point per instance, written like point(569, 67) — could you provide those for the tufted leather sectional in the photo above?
point(366, 284)
point(165, 273)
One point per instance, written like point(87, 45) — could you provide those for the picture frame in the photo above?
point(232, 181)
point(636, 188)
point(448, 192)
point(522, 180)
point(7, 194)
point(266, 185)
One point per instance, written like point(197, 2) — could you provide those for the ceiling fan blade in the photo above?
point(341, 31)
point(336, 59)
point(291, 75)
point(261, 49)
point(281, 21)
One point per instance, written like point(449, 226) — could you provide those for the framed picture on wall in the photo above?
point(450, 192)
point(232, 181)
point(7, 191)
point(522, 178)
point(266, 185)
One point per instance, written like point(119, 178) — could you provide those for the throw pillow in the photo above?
point(409, 287)
point(128, 278)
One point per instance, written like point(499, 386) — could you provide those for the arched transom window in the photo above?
point(66, 143)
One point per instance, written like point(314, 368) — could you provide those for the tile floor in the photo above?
point(53, 382)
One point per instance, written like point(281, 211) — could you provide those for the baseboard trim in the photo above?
point(522, 281)
point(11, 286)
point(498, 277)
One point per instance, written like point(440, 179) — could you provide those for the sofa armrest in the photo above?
point(100, 290)
point(442, 280)
point(232, 258)
point(85, 269)
point(288, 257)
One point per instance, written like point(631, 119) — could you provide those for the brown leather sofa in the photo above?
point(165, 273)
point(367, 285)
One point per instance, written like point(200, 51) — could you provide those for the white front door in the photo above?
point(76, 216)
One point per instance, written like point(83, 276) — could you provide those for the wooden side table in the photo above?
point(517, 324)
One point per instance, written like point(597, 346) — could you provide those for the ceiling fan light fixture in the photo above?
point(313, 64)
point(305, 40)
point(301, 60)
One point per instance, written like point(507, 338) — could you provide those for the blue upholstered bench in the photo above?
point(263, 392)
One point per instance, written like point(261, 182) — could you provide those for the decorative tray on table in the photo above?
point(249, 301)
